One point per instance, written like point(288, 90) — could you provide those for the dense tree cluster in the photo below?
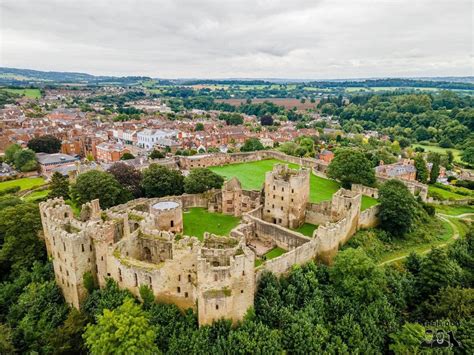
point(351, 167)
point(23, 159)
point(45, 144)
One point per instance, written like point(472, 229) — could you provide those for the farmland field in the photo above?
point(30, 93)
point(288, 103)
point(252, 176)
point(25, 183)
point(437, 149)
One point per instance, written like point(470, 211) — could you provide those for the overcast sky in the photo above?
point(313, 39)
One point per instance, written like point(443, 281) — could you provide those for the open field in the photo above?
point(288, 103)
point(30, 93)
point(437, 149)
point(25, 183)
point(387, 88)
point(252, 176)
point(196, 221)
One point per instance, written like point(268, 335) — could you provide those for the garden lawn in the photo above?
point(438, 149)
point(307, 229)
point(24, 183)
point(196, 221)
point(252, 176)
point(30, 93)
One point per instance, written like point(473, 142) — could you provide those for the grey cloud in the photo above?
point(247, 38)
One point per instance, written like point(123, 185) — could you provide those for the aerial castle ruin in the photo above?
point(141, 243)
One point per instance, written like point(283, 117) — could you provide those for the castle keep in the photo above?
point(140, 243)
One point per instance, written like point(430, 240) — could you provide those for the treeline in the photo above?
point(412, 83)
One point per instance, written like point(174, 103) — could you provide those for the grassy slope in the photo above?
point(252, 177)
point(446, 194)
point(36, 195)
point(198, 220)
point(25, 183)
point(31, 93)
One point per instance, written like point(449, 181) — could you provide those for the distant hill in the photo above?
point(26, 77)
point(22, 77)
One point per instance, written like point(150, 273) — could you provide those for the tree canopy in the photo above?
point(100, 185)
point(398, 207)
point(45, 144)
point(351, 167)
point(159, 181)
point(200, 180)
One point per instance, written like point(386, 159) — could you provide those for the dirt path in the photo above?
point(454, 236)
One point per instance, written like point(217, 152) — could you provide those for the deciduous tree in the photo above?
point(159, 181)
point(351, 167)
point(201, 180)
point(125, 330)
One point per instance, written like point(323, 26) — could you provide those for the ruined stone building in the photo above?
point(141, 243)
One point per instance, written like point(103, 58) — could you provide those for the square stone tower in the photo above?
point(286, 196)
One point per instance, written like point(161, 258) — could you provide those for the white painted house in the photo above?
point(149, 137)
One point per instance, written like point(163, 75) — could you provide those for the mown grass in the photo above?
point(252, 176)
point(272, 254)
point(24, 183)
point(196, 221)
point(30, 93)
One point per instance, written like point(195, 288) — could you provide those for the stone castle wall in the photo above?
point(365, 190)
point(369, 217)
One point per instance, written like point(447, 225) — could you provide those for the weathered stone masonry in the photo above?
point(140, 243)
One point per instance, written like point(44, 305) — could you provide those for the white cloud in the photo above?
point(247, 38)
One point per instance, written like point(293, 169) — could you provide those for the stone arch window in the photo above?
point(65, 214)
point(147, 254)
point(54, 240)
point(292, 191)
point(274, 187)
point(172, 223)
point(186, 294)
point(149, 280)
point(179, 277)
point(136, 279)
point(243, 273)
point(282, 189)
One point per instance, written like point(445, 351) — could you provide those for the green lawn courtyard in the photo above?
point(196, 221)
point(25, 183)
point(252, 176)
point(307, 229)
point(274, 253)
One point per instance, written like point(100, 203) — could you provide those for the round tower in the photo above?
point(168, 216)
